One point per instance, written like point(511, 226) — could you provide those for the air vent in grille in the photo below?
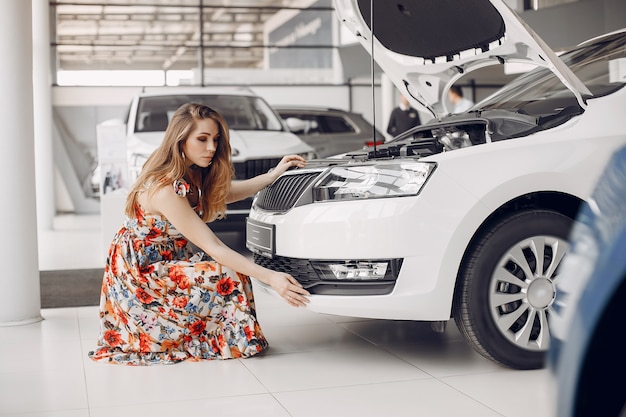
point(254, 167)
point(284, 192)
point(300, 269)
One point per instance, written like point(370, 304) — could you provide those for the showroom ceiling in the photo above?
point(163, 34)
point(173, 34)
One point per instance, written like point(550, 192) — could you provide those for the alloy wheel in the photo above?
point(523, 288)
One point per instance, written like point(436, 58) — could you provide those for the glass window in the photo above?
point(240, 112)
point(336, 124)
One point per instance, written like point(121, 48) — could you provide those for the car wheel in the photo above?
point(506, 287)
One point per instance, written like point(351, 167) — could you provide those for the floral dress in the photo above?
point(162, 302)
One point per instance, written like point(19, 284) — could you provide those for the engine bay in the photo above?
point(430, 141)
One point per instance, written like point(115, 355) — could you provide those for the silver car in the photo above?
point(329, 131)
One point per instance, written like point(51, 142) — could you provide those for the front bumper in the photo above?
point(425, 236)
point(373, 277)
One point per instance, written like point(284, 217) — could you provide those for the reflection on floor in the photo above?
point(317, 365)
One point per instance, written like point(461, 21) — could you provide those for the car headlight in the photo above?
point(393, 179)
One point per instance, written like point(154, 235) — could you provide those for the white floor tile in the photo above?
point(330, 368)
point(89, 327)
point(314, 337)
point(111, 385)
point(23, 392)
point(512, 393)
point(344, 319)
point(427, 397)
point(234, 406)
point(84, 412)
point(41, 356)
point(444, 357)
point(393, 332)
point(55, 327)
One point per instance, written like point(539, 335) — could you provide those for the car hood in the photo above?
point(424, 46)
point(245, 144)
point(256, 144)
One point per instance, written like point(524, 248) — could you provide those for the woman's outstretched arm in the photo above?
point(178, 211)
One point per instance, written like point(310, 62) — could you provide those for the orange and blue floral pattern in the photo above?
point(163, 303)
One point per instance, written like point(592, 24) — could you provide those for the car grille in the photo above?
point(304, 273)
point(283, 194)
point(254, 167)
point(300, 269)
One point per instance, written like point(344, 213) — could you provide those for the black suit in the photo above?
point(402, 120)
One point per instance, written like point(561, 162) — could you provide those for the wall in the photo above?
point(571, 23)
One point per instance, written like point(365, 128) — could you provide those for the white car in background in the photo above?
point(258, 136)
point(467, 216)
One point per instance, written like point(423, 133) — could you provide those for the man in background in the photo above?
point(460, 103)
point(403, 118)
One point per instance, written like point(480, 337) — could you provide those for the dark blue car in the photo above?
point(587, 354)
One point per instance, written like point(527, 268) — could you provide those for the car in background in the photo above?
point(258, 137)
point(330, 131)
point(468, 215)
point(587, 355)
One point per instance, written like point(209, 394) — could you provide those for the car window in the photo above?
point(336, 124)
point(312, 127)
point(321, 123)
point(240, 112)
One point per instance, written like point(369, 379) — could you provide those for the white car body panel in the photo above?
point(425, 83)
point(438, 224)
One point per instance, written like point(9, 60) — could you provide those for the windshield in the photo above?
point(240, 112)
point(600, 65)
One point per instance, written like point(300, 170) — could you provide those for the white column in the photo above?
point(42, 103)
point(19, 280)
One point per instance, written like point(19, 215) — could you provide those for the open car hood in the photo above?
point(424, 46)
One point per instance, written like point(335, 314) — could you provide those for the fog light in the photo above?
point(357, 270)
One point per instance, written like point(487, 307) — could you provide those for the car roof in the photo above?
point(172, 91)
point(311, 109)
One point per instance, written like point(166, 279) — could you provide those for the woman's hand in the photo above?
point(289, 289)
point(247, 188)
point(288, 161)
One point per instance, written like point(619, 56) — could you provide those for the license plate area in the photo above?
point(260, 238)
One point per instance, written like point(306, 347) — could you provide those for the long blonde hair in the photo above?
point(167, 163)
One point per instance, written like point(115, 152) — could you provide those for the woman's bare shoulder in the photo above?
point(155, 196)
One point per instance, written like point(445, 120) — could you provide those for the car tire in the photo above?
point(504, 295)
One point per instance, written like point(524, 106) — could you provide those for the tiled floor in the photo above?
point(318, 365)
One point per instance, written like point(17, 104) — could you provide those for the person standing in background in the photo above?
point(460, 103)
point(403, 118)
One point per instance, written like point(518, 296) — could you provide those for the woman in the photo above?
point(162, 300)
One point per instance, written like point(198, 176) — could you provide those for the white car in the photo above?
point(259, 139)
point(468, 215)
